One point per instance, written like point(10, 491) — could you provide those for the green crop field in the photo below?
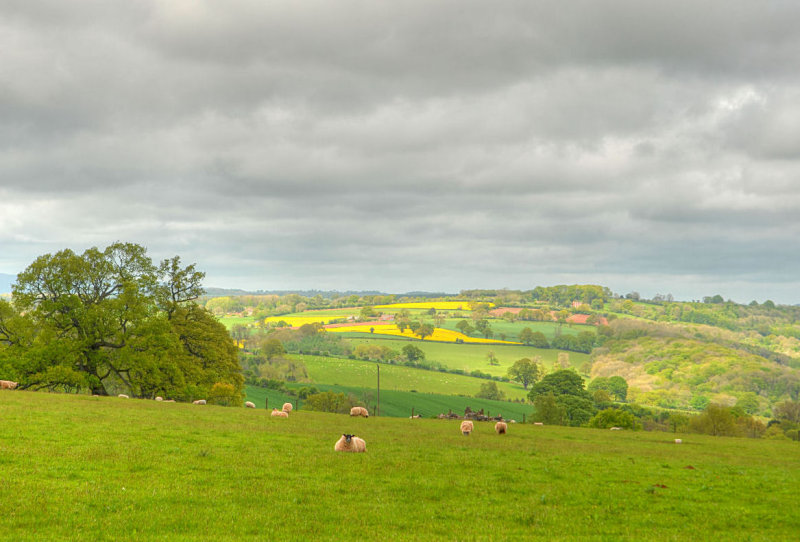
point(469, 357)
point(324, 370)
point(399, 404)
point(87, 468)
point(512, 329)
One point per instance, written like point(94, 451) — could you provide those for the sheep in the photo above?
point(123, 396)
point(467, 427)
point(538, 423)
point(615, 428)
point(415, 417)
point(359, 411)
point(248, 404)
point(350, 443)
point(159, 398)
point(501, 428)
point(287, 407)
point(199, 402)
point(678, 441)
point(279, 413)
point(8, 384)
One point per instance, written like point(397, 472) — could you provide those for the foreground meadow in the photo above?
point(84, 468)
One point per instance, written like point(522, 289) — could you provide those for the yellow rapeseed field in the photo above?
point(296, 321)
point(439, 334)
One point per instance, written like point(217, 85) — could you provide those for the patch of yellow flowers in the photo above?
point(439, 334)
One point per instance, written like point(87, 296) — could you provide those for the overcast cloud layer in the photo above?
point(410, 145)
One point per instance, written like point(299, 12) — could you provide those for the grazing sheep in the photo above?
point(287, 407)
point(279, 413)
point(199, 402)
point(467, 427)
point(359, 411)
point(123, 396)
point(248, 404)
point(416, 417)
point(615, 428)
point(350, 443)
point(538, 423)
point(8, 385)
point(501, 428)
point(678, 441)
point(159, 398)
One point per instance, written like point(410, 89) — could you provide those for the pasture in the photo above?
point(469, 357)
point(350, 372)
point(399, 404)
point(85, 468)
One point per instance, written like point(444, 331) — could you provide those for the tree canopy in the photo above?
point(111, 321)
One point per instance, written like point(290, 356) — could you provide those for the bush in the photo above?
point(328, 401)
point(613, 417)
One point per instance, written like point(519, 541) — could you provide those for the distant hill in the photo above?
point(327, 294)
point(5, 283)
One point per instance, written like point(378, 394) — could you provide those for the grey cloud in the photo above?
point(412, 145)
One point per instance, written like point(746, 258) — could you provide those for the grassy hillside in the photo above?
point(84, 468)
point(469, 357)
point(401, 404)
point(324, 370)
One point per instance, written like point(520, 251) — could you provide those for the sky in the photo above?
point(416, 145)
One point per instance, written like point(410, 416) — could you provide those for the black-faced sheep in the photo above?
point(350, 443)
point(467, 427)
point(501, 428)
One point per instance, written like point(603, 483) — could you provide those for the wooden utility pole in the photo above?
point(378, 407)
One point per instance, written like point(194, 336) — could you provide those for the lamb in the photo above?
point(279, 413)
point(501, 428)
point(287, 407)
point(199, 402)
point(467, 427)
point(359, 411)
point(123, 396)
point(8, 384)
point(248, 404)
point(350, 443)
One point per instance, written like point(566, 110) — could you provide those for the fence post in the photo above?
point(523, 417)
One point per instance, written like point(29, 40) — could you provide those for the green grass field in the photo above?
point(512, 329)
point(84, 468)
point(469, 357)
point(357, 373)
point(399, 404)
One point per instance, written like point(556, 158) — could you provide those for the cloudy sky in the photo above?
point(415, 145)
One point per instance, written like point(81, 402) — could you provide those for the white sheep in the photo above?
point(248, 404)
point(123, 396)
point(467, 427)
point(501, 428)
point(8, 384)
point(287, 407)
point(615, 428)
point(199, 402)
point(279, 413)
point(678, 441)
point(159, 398)
point(538, 423)
point(415, 417)
point(350, 443)
point(359, 411)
